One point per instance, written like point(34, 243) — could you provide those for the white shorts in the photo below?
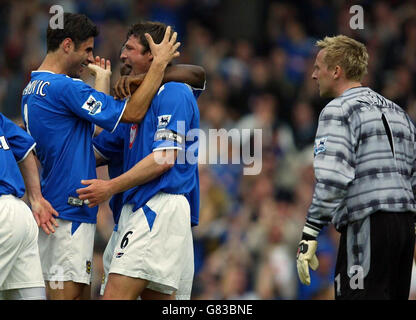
point(20, 265)
point(155, 243)
point(107, 257)
point(67, 254)
point(187, 276)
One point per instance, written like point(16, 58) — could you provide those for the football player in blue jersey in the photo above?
point(20, 268)
point(60, 112)
point(161, 195)
point(108, 149)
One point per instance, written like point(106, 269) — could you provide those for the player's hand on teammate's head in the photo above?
point(100, 67)
point(166, 50)
point(44, 213)
point(97, 192)
point(126, 85)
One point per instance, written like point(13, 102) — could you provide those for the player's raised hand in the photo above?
point(44, 213)
point(126, 85)
point(97, 192)
point(166, 50)
point(100, 67)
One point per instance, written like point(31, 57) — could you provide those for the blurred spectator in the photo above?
point(304, 124)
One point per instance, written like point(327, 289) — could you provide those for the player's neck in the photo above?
point(346, 86)
point(52, 63)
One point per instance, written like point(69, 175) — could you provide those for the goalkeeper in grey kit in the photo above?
point(365, 169)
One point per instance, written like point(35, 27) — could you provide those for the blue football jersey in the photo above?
point(59, 113)
point(110, 147)
point(15, 145)
point(172, 122)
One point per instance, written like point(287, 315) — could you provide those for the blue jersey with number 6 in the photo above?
point(172, 122)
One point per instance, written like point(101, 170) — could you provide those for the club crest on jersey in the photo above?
point(133, 134)
point(163, 120)
point(320, 145)
point(92, 105)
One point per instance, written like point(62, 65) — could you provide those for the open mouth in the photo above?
point(125, 69)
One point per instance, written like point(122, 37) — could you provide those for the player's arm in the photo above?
point(97, 130)
point(413, 173)
point(334, 164)
point(105, 111)
point(149, 168)
point(167, 141)
point(42, 210)
point(101, 69)
point(186, 73)
point(190, 74)
point(334, 170)
point(22, 144)
point(99, 159)
point(108, 147)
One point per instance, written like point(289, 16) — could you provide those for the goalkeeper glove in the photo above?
point(306, 256)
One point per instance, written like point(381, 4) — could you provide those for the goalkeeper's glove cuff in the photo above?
point(311, 231)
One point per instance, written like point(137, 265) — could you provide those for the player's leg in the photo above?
point(67, 260)
point(68, 290)
point(121, 287)
point(185, 285)
point(107, 257)
point(23, 270)
point(149, 294)
point(9, 242)
point(150, 247)
point(174, 224)
point(36, 293)
point(405, 240)
point(360, 271)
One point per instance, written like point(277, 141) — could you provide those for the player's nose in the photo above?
point(123, 55)
point(90, 58)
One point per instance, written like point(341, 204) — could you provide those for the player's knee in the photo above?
point(154, 295)
point(122, 287)
point(69, 291)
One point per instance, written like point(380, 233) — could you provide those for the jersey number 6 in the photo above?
point(125, 240)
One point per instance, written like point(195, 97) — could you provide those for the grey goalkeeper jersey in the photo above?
point(364, 159)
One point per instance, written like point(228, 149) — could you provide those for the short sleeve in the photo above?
point(110, 145)
point(92, 105)
point(172, 117)
point(19, 141)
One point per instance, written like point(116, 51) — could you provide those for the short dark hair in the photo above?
point(155, 29)
point(78, 27)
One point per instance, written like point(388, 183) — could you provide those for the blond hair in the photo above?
point(347, 53)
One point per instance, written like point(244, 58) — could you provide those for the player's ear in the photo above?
point(149, 55)
point(67, 44)
point(337, 72)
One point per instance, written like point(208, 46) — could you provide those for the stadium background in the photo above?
point(258, 56)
